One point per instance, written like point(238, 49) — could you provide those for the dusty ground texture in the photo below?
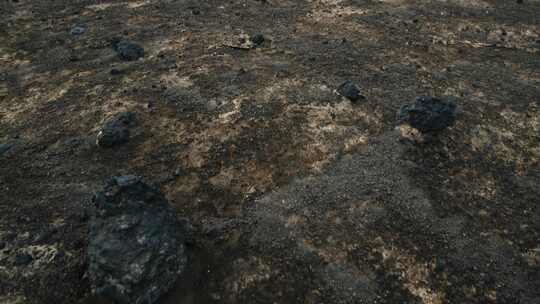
point(296, 195)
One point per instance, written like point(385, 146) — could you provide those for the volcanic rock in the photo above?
point(127, 50)
point(350, 91)
point(135, 244)
point(428, 114)
point(115, 130)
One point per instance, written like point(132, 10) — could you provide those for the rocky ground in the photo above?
point(295, 194)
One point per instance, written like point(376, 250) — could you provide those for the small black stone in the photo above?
point(257, 39)
point(22, 259)
point(350, 91)
point(77, 30)
point(43, 236)
point(440, 265)
point(5, 147)
point(115, 72)
point(428, 114)
point(179, 171)
point(127, 50)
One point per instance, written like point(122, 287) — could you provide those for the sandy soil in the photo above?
point(296, 195)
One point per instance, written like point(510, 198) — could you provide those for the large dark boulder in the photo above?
point(115, 130)
point(135, 245)
point(428, 114)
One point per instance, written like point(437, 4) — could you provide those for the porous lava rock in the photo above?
point(136, 247)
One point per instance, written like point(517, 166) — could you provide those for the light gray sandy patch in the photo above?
point(328, 217)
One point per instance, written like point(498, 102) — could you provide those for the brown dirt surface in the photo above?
point(296, 194)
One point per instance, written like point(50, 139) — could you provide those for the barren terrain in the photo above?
point(295, 194)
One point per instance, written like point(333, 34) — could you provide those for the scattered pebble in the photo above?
point(115, 72)
point(257, 39)
point(127, 50)
point(244, 41)
point(22, 259)
point(350, 91)
point(440, 265)
point(77, 30)
point(428, 114)
point(5, 147)
point(44, 235)
point(179, 171)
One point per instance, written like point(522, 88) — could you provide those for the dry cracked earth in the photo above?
point(295, 194)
